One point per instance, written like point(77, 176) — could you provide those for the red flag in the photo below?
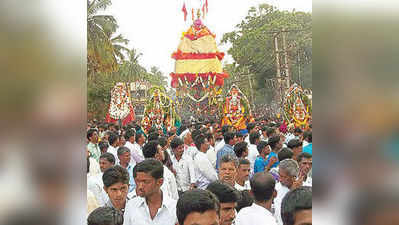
point(206, 5)
point(184, 11)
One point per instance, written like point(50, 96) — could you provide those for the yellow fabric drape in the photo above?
point(206, 44)
point(198, 66)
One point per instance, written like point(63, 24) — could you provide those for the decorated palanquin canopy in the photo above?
point(197, 59)
point(120, 107)
point(297, 106)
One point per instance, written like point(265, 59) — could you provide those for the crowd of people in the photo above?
point(199, 173)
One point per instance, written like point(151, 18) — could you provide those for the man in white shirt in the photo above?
point(228, 169)
point(288, 172)
point(228, 198)
point(153, 150)
point(225, 129)
point(113, 140)
point(204, 171)
point(253, 152)
point(211, 153)
point(152, 206)
point(184, 166)
point(242, 178)
point(138, 145)
point(95, 183)
point(259, 213)
point(305, 166)
point(296, 207)
point(251, 128)
point(116, 185)
point(135, 156)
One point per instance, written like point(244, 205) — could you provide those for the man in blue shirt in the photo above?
point(261, 162)
point(230, 140)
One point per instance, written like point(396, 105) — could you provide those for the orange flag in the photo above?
point(184, 11)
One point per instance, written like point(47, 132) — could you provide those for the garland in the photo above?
point(179, 55)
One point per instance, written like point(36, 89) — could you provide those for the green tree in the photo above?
point(253, 48)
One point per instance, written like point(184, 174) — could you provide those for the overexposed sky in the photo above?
point(154, 27)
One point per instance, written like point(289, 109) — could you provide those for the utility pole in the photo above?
point(251, 89)
point(286, 59)
point(278, 74)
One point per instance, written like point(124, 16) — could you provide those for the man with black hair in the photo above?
point(296, 146)
point(254, 139)
point(243, 171)
point(105, 216)
point(230, 140)
point(198, 207)
point(264, 136)
point(296, 207)
point(92, 146)
point(228, 198)
point(184, 166)
point(298, 132)
point(152, 205)
point(204, 171)
point(95, 183)
point(211, 153)
point(153, 136)
point(305, 167)
point(224, 130)
point(153, 150)
point(124, 161)
point(138, 145)
point(261, 162)
point(285, 153)
point(116, 185)
point(308, 147)
point(113, 140)
point(135, 157)
point(250, 128)
point(103, 146)
point(259, 213)
point(241, 149)
point(275, 143)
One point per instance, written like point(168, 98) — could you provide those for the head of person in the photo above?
point(305, 162)
point(296, 146)
point(263, 148)
point(243, 170)
point(177, 146)
point(240, 136)
point(241, 149)
point(225, 129)
point(163, 142)
point(153, 136)
point(264, 131)
point(296, 207)
point(251, 127)
point(262, 187)
point(198, 207)
point(124, 155)
point(228, 197)
point(211, 139)
point(148, 176)
point(130, 135)
point(270, 131)
point(195, 133)
point(298, 132)
point(228, 166)
point(275, 143)
point(288, 172)
point(245, 199)
point(230, 138)
point(122, 140)
point(285, 153)
point(116, 185)
point(105, 216)
point(107, 160)
point(307, 136)
point(113, 139)
point(254, 137)
point(92, 135)
point(201, 143)
point(103, 145)
point(152, 149)
point(140, 138)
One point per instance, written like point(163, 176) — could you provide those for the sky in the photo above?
point(154, 27)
